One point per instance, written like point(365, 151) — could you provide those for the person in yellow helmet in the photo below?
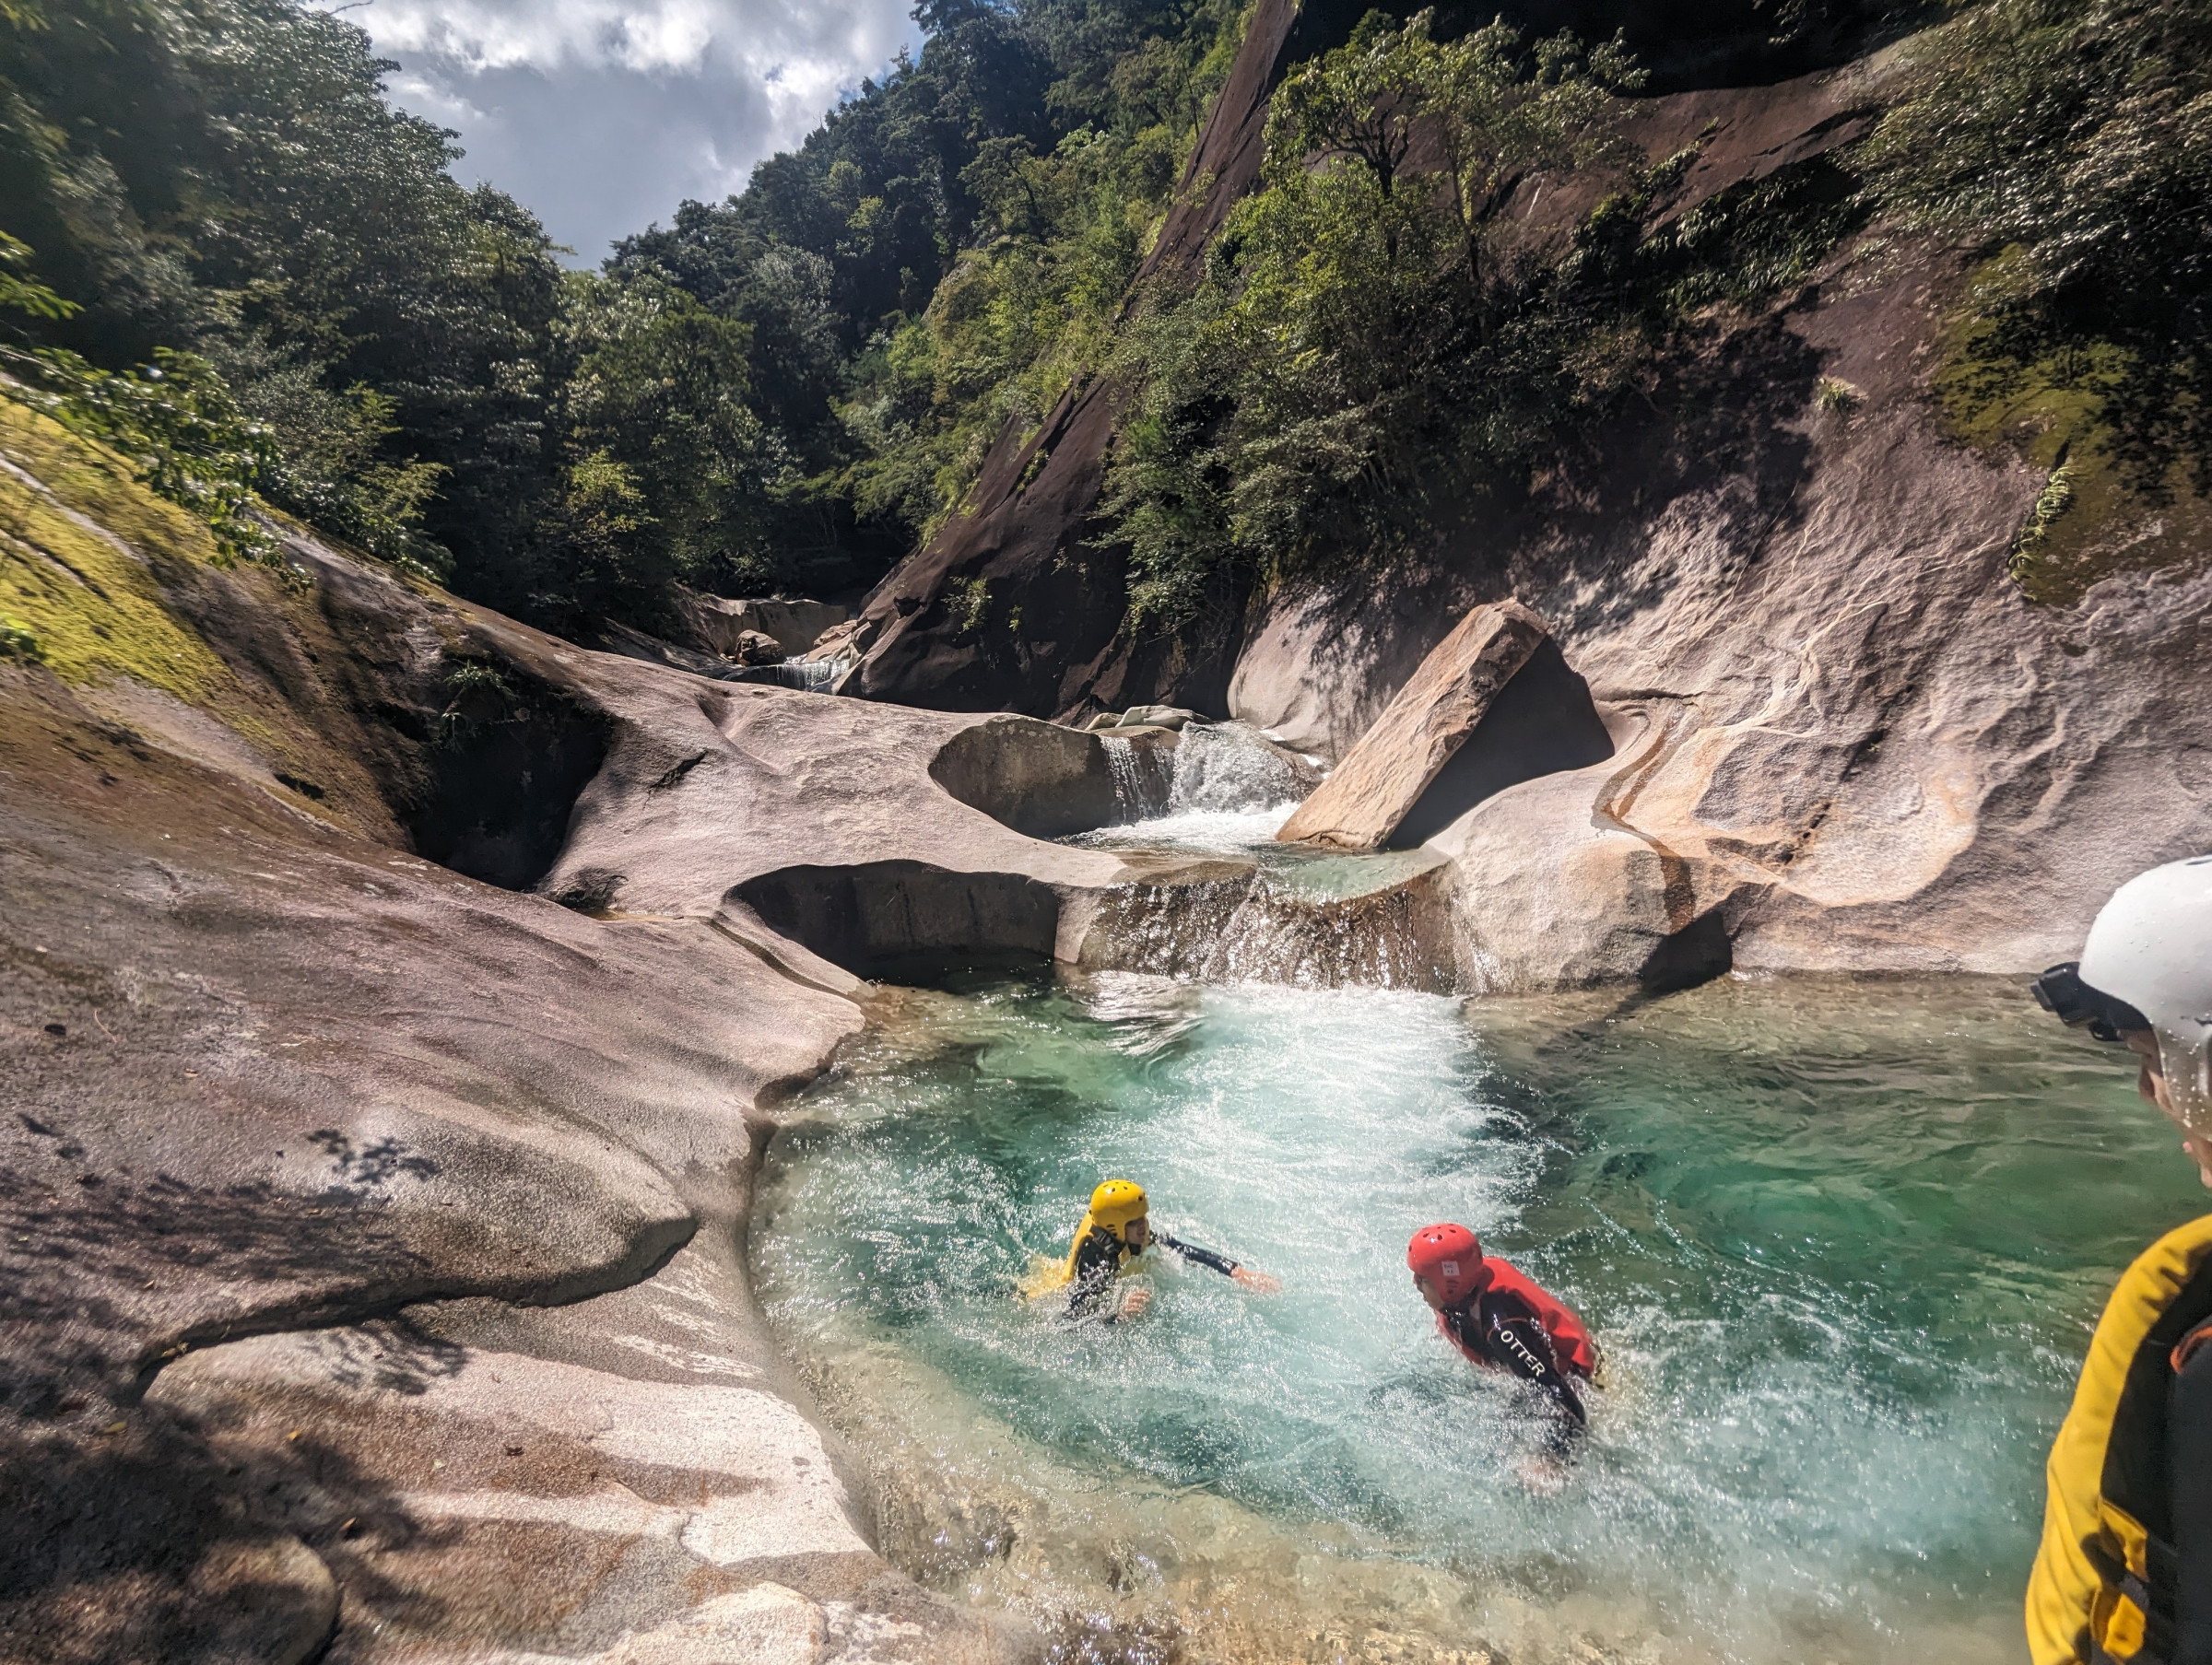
point(2124, 1576)
point(1115, 1231)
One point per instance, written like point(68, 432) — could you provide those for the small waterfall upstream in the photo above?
point(1129, 794)
point(1229, 768)
point(1220, 902)
point(1213, 768)
point(813, 675)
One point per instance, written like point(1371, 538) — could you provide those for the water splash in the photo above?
point(1274, 913)
point(1230, 768)
point(1808, 1221)
point(1199, 832)
point(814, 675)
point(1372, 922)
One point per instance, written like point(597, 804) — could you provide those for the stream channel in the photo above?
point(1842, 1240)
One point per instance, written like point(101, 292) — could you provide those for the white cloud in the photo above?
point(601, 115)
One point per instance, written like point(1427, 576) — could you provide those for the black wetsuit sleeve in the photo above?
point(1096, 1263)
point(1191, 1251)
point(1512, 1336)
point(2189, 1453)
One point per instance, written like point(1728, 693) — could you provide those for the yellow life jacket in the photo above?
point(1113, 1205)
point(1046, 1275)
point(2101, 1593)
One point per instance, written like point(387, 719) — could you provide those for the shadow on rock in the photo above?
point(139, 1541)
point(104, 1279)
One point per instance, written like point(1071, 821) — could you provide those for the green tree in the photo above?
point(2065, 145)
point(661, 391)
point(224, 177)
point(1367, 330)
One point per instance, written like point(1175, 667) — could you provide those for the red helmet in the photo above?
point(1450, 1258)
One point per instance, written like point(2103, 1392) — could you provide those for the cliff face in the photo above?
point(1025, 543)
point(1844, 739)
point(1025, 536)
point(1848, 741)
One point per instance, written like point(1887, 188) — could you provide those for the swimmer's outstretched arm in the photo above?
point(1256, 1281)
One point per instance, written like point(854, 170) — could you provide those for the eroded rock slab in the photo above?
point(1348, 921)
point(625, 1481)
point(331, 1172)
point(1361, 804)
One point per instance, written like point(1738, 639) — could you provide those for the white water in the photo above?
point(813, 675)
point(1227, 768)
point(1298, 915)
point(1840, 1241)
point(1225, 832)
point(1215, 786)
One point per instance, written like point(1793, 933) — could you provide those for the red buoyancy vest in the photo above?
point(1569, 1342)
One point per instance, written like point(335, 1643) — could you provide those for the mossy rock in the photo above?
point(80, 541)
point(2094, 517)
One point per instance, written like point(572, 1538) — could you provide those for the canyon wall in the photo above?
point(1845, 739)
point(1023, 540)
point(395, 1004)
point(1848, 742)
point(392, 1030)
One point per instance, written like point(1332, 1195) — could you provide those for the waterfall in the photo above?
point(1216, 788)
point(1143, 778)
point(1120, 763)
point(1363, 921)
point(814, 675)
point(1229, 768)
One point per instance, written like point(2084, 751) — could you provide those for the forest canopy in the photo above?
point(224, 253)
point(212, 204)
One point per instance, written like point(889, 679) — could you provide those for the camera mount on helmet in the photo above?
point(2061, 992)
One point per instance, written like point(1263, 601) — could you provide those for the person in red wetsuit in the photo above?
point(1500, 1318)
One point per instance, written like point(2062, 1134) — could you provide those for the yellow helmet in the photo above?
point(1117, 1203)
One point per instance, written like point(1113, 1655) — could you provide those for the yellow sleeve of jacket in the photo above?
point(2071, 1598)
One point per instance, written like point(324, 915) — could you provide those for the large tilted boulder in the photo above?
point(1360, 805)
point(1848, 741)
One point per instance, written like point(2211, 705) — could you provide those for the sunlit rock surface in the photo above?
point(1856, 745)
point(1384, 775)
point(1861, 748)
point(373, 1221)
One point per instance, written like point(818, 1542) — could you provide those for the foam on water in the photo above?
point(1222, 786)
point(1229, 766)
point(1223, 832)
point(1842, 1242)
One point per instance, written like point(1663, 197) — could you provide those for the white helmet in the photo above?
point(2149, 965)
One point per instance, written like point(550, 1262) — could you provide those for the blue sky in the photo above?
point(601, 115)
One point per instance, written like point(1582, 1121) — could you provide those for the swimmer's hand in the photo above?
point(1259, 1283)
point(1541, 1475)
point(1136, 1303)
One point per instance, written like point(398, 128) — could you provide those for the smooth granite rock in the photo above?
point(1384, 775)
point(340, 1156)
point(1847, 740)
